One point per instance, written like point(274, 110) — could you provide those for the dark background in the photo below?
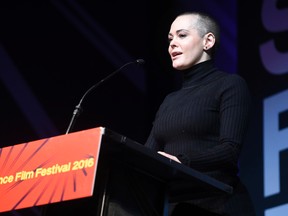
point(52, 52)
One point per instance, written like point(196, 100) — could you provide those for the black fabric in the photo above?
point(204, 124)
point(186, 209)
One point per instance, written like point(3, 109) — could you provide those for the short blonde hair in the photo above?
point(204, 25)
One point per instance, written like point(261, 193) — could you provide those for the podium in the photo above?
point(96, 172)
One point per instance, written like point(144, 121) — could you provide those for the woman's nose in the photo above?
point(173, 43)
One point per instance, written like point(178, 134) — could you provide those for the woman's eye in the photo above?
point(182, 35)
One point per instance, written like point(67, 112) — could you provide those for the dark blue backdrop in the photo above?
point(263, 62)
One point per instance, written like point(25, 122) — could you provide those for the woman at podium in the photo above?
point(202, 124)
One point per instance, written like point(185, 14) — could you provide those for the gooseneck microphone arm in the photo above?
point(78, 108)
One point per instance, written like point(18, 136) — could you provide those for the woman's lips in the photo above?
point(175, 55)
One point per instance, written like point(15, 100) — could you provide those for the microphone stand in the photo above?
point(78, 108)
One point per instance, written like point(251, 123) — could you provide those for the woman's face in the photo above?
point(186, 47)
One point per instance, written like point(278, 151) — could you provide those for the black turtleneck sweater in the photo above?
point(203, 123)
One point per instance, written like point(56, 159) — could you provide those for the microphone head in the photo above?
point(140, 61)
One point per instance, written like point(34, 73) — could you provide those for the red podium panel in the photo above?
point(49, 170)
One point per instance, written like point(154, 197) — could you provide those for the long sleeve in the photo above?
point(204, 122)
point(233, 119)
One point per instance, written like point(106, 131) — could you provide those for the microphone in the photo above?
point(78, 107)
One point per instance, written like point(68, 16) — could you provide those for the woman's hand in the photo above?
point(172, 157)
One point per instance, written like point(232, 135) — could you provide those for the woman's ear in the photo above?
point(209, 41)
